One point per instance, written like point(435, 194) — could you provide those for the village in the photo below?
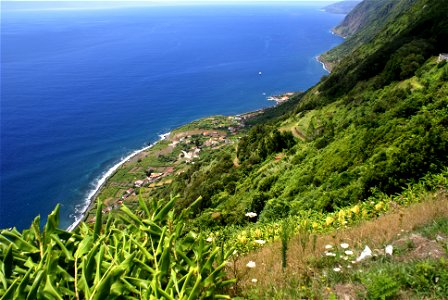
point(156, 167)
point(281, 98)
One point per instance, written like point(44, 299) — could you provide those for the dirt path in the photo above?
point(298, 134)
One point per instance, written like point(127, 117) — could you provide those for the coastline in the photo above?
point(93, 194)
point(90, 201)
point(176, 136)
point(335, 33)
point(324, 64)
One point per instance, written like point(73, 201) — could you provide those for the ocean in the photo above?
point(83, 87)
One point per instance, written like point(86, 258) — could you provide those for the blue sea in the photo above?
point(82, 87)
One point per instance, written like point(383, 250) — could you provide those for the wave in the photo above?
point(323, 64)
point(82, 209)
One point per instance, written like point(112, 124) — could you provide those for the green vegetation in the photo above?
point(406, 258)
point(377, 29)
point(371, 138)
point(388, 276)
point(146, 255)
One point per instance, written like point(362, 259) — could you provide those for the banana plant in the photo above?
point(133, 257)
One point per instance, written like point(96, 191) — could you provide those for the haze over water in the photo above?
point(82, 88)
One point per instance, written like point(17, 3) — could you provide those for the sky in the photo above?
point(80, 4)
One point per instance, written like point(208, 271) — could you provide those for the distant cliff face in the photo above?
point(343, 7)
point(363, 14)
point(384, 38)
point(392, 23)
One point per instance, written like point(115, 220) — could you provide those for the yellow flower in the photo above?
point(329, 220)
point(379, 206)
point(315, 225)
point(355, 209)
point(257, 233)
point(242, 239)
point(341, 216)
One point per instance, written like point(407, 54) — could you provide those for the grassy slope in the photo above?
point(418, 233)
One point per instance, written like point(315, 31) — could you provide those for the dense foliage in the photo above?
point(145, 255)
point(368, 140)
point(407, 32)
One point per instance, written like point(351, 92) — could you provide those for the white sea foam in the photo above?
point(323, 65)
point(82, 208)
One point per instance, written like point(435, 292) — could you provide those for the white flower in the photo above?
point(251, 264)
point(349, 267)
point(261, 242)
point(337, 269)
point(345, 257)
point(389, 249)
point(328, 247)
point(364, 254)
point(344, 245)
point(209, 239)
point(254, 280)
point(251, 214)
point(348, 252)
point(330, 254)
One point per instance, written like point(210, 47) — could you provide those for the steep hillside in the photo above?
point(371, 140)
point(376, 124)
point(401, 45)
point(365, 14)
point(390, 24)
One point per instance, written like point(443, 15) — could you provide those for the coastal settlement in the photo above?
point(157, 166)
